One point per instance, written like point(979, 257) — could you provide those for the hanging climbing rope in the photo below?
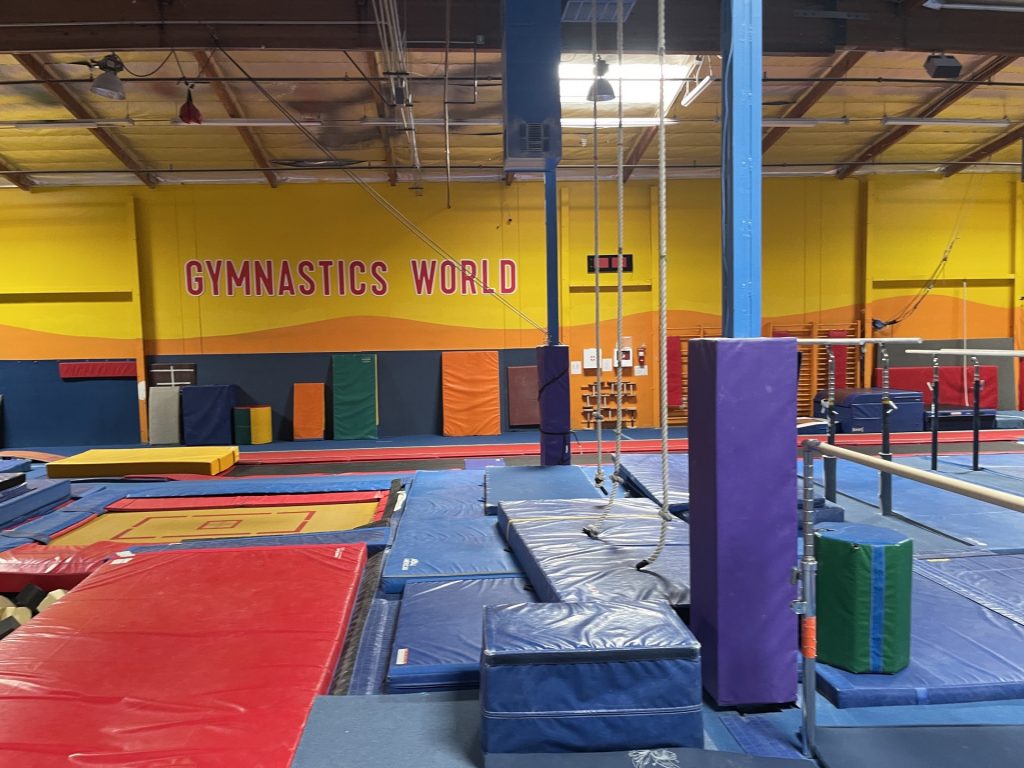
point(597, 397)
point(594, 530)
point(665, 515)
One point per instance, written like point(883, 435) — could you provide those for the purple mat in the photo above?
point(742, 517)
point(555, 428)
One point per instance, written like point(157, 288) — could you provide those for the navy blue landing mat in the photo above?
point(966, 520)
point(425, 730)
point(445, 494)
point(441, 550)
point(992, 580)
point(576, 568)
point(15, 465)
point(960, 468)
point(961, 651)
point(527, 483)
point(922, 746)
point(655, 758)
point(440, 624)
point(35, 498)
point(583, 511)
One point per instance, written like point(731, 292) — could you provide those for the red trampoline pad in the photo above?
point(233, 502)
point(52, 567)
point(204, 658)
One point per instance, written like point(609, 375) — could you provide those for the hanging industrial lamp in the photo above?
point(601, 90)
point(108, 84)
point(189, 112)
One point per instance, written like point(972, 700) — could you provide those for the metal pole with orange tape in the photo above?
point(805, 606)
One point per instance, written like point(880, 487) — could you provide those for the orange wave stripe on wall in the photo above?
point(27, 344)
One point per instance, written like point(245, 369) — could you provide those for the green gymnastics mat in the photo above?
point(354, 394)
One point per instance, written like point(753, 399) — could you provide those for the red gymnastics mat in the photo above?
point(202, 658)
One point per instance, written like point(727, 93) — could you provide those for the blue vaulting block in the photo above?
point(588, 677)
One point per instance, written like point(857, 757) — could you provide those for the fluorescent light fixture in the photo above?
point(31, 125)
point(948, 122)
point(803, 122)
point(242, 123)
point(567, 122)
point(987, 5)
point(691, 95)
point(640, 82)
point(613, 122)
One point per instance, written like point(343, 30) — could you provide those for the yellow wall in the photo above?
point(100, 272)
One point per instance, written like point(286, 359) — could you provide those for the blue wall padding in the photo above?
point(14, 465)
point(553, 397)
point(278, 485)
point(41, 495)
point(435, 550)
point(742, 478)
point(437, 642)
point(523, 483)
point(960, 651)
point(206, 414)
point(573, 677)
point(376, 539)
point(41, 409)
point(582, 569)
point(445, 494)
point(584, 511)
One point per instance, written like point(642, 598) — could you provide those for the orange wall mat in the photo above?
point(308, 417)
point(165, 527)
point(471, 394)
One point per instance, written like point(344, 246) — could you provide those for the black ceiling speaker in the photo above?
point(940, 65)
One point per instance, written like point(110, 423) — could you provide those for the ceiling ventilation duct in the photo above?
point(533, 111)
point(607, 10)
point(977, 5)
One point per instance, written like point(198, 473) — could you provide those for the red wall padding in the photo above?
point(103, 369)
point(951, 383)
point(674, 362)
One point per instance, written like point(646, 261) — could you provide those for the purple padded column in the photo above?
point(553, 394)
point(742, 404)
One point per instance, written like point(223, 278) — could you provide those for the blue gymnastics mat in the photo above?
point(376, 538)
point(445, 494)
point(584, 511)
point(426, 730)
point(246, 486)
point(529, 483)
point(576, 568)
point(960, 468)
point(641, 473)
point(40, 497)
point(438, 641)
point(961, 651)
point(14, 465)
point(969, 521)
point(921, 746)
point(435, 550)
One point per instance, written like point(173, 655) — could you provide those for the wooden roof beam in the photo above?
point(987, 149)
point(984, 71)
point(637, 151)
point(37, 68)
point(21, 180)
point(231, 106)
point(840, 66)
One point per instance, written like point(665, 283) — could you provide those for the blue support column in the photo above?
point(741, 168)
point(551, 239)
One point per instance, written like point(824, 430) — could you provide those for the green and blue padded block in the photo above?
point(864, 592)
point(354, 396)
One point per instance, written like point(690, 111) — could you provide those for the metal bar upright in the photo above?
point(741, 43)
point(936, 386)
point(885, 485)
point(830, 414)
point(807, 608)
point(976, 418)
